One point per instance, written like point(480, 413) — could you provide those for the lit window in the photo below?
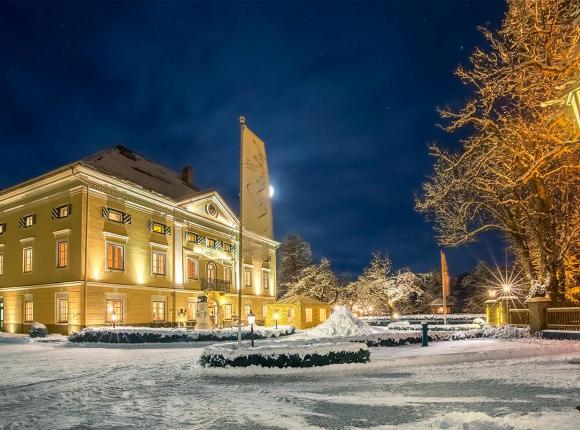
point(28, 311)
point(114, 215)
point(265, 280)
point(27, 260)
point(159, 263)
point(158, 228)
point(210, 243)
point(2, 228)
point(1, 264)
point(322, 314)
point(211, 271)
point(228, 247)
point(115, 256)
point(159, 311)
point(291, 313)
point(28, 221)
point(62, 211)
point(227, 315)
point(308, 314)
point(247, 277)
point(114, 307)
point(62, 310)
point(191, 307)
point(228, 274)
point(62, 254)
point(247, 309)
point(192, 268)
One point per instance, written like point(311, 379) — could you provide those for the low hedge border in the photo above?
point(152, 335)
point(282, 360)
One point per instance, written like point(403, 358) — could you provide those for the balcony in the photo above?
point(215, 285)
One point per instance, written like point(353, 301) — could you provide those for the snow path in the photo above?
point(485, 384)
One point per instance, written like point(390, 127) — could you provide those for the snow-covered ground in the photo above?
point(472, 384)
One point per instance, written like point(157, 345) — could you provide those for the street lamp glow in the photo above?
point(271, 191)
point(506, 288)
point(492, 294)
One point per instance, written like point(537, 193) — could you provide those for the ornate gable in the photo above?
point(210, 205)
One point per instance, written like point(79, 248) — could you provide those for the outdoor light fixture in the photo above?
point(574, 101)
point(506, 288)
point(271, 190)
point(276, 318)
point(252, 321)
point(114, 319)
point(395, 315)
point(492, 294)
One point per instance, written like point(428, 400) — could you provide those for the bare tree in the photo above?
point(317, 281)
point(518, 170)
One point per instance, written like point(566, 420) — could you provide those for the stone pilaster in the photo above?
point(537, 307)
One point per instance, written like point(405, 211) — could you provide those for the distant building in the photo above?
point(438, 308)
point(300, 311)
point(118, 237)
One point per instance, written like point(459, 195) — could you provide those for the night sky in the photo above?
point(344, 95)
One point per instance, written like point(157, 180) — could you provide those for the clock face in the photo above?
point(211, 210)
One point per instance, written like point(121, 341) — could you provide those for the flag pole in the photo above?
point(444, 282)
point(240, 254)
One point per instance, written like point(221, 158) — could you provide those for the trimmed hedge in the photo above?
point(38, 330)
point(282, 360)
point(152, 335)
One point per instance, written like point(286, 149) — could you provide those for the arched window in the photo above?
point(211, 271)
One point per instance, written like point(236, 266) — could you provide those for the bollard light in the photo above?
point(251, 321)
point(276, 318)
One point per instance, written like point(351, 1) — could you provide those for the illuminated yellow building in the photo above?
point(117, 237)
point(299, 311)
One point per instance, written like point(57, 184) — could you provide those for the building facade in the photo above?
point(117, 237)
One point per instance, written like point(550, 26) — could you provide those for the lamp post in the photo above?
point(251, 321)
point(574, 101)
point(276, 318)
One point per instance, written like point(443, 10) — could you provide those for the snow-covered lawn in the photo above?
point(488, 383)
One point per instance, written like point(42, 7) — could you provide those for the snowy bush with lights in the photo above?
point(38, 330)
point(287, 354)
point(172, 335)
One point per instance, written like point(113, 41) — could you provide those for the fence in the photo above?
point(519, 317)
point(563, 318)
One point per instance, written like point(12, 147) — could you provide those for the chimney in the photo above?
point(187, 175)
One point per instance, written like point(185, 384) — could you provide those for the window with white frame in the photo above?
point(159, 264)
point(322, 314)
point(114, 215)
point(63, 211)
point(265, 280)
point(191, 308)
point(211, 271)
point(158, 310)
point(62, 310)
point(114, 307)
point(29, 220)
point(228, 274)
point(308, 314)
point(227, 315)
point(27, 260)
point(28, 311)
point(247, 309)
point(247, 277)
point(115, 256)
point(62, 254)
point(192, 268)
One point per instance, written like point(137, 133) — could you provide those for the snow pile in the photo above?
point(13, 338)
point(287, 354)
point(341, 323)
point(171, 335)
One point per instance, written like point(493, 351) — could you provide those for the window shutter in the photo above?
point(233, 249)
point(151, 225)
point(167, 230)
point(199, 238)
point(21, 222)
point(54, 213)
point(126, 218)
point(105, 212)
point(33, 219)
point(69, 209)
point(218, 244)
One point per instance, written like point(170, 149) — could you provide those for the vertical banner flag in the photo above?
point(444, 275)
point(256, 205)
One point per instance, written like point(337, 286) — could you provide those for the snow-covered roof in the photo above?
point(127, 165)
point(300, 300)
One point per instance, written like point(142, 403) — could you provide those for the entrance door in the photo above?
point(1, 314)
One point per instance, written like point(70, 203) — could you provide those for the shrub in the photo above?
point(171, 335)
point(291, 354)
point(38, 330)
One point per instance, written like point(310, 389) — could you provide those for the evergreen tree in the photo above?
point(294, 256)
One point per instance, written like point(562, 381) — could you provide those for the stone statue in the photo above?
point(202, 314)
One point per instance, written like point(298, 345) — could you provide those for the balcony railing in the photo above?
point(215, 285)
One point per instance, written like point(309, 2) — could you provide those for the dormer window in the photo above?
point(115, 216)
point(210, 243)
